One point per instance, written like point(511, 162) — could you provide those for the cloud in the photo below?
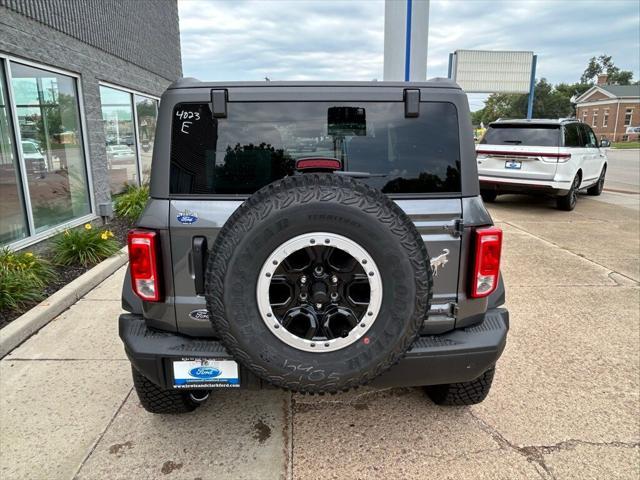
point(344, 40)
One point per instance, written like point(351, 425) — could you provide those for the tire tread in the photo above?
point(155, 399)
point(463, 393)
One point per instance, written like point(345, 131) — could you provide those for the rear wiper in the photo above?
point(359, 174)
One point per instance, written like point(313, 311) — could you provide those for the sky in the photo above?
point(227, 40)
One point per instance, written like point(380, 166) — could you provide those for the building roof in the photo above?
point(622, 90)
point(611, 92)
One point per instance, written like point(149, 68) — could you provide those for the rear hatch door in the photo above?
point(217, 162)
point(520, 151)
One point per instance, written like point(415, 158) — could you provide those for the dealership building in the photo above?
point(80, 83)
point(613, 111)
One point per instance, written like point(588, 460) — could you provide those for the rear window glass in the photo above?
point(259, 142)
point(539, 135)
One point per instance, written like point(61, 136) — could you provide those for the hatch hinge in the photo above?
point(456, 229)
point(219, 99)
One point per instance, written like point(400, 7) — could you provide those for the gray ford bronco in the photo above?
point(314, 237)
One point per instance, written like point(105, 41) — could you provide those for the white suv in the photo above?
point(553, 157)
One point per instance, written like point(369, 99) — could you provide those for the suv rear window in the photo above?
point(259, 142)
point(526, 135)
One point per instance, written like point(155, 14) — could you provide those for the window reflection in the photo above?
point(13, 223)
point(47, 109)
point(147, 113)
point(117, 115)
point(259, 143)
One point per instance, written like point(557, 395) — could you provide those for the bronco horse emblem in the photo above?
point(439, 261)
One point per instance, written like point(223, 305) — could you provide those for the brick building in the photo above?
point(613, 111)
point(79, 88)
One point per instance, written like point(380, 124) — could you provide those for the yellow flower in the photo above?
point(110, 233)
point(29, 254)
point(87, 226)
point(66, 232)
point(104, 235)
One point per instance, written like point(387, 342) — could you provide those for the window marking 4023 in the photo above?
point(186, 117)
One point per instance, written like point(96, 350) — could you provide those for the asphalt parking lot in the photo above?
point(565, 402)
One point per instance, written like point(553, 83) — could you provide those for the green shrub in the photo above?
point(83, 246)
point(23, 277)
point(130, 204)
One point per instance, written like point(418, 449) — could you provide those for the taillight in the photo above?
point(143, 264)
point(486, 269)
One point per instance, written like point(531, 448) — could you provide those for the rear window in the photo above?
point(526, 135)
point(259, 142)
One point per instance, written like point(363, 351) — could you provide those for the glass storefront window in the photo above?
point(119, 131)
point(13, 222)
point(147, 113)
point(46, 104)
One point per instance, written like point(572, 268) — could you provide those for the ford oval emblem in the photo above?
point(204, 373)
point(187, 217)
point(201, 314)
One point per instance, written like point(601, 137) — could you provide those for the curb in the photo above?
point(30, 322)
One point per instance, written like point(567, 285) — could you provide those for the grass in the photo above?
point(130, 204)
point(625, 145)
point(23, 277)
point(83, 246)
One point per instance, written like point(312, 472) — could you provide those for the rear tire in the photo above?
point(155, 399)
point(489, 196)
point(596, 189)
point(568, 202)
point(463, 393)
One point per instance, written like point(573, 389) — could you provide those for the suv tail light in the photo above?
point(486, 269)
point(143, 264)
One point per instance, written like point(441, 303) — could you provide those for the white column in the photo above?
point(406, 35)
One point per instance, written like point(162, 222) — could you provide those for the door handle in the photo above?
point(199, 255)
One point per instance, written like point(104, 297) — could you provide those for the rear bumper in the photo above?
point(518, 185)
point(457, 356)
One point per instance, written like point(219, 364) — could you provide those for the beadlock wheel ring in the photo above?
point(319, 239)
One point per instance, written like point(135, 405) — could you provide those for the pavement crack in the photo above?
point(532, 454)
point(290, 444)
point(99, 439)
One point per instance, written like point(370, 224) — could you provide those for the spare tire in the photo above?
point(318, 283)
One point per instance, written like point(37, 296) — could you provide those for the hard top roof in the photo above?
point(431, 83)
point(535, 121)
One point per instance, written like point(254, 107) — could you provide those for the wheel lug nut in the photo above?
point(319, 306)
point(303, 280)
point(318, 270)
point(334, 279)
point(303, 296)
point(334, 296)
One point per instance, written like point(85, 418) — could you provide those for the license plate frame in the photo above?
point(513, 164)
point(197, 373)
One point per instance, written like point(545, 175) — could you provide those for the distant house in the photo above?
point(613, 111)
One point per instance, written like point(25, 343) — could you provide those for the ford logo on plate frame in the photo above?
point(204, 373)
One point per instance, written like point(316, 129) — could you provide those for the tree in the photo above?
point(604, 64)
point(548, 102)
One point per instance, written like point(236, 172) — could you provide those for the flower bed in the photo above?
point(28, 277)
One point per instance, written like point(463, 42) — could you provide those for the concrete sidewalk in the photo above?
point(565, 401)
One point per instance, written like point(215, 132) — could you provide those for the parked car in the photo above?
point(551, 157)
point(373, 263)
point(119, 154)
point(35, 162)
